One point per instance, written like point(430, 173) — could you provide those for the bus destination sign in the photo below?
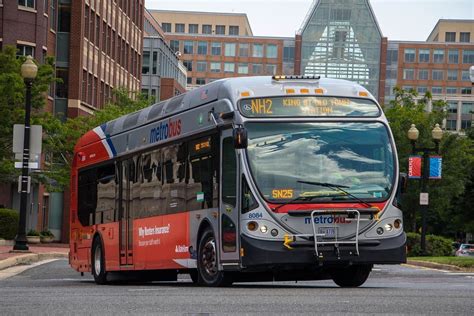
point(308, 106)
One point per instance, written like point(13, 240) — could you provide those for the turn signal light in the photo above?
point(252, 226)
point(397, 224)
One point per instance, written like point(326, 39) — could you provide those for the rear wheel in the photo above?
point(352, 276)
point(208, 272)
point(98, 262)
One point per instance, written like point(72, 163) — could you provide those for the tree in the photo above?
point(60, 138)
point(458, 160)
point(12, 102)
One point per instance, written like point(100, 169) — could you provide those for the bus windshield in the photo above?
point(355, 156)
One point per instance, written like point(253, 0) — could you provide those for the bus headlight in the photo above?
point(388, 227)
point(263, 229)
point(380, 230)
point(274, 232)
point(252, 226)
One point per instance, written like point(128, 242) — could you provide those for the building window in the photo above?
point(450, 37)
point(193, 28)
point(215, 67)
point(229, 67)
point(465, 76)
point(468, 56)
point(201, 66)
point(391, 74)
point(52, 15)
point(451, 90)
point(202, 48)
point(289, 54)
point(407, 88)
point(234, 30)
point(154, 69)
point(438, 56)
point(179, 28)
point(270, 69)
point(257, 50)
point(243, 50)
point(206, 29)
point(423, 74)
point(272, 51)
point(257, 69)
point(146, 63)
point(166, 27)
point(437, 74)
point(216, 49)
point(424, 56)
point(466, 90)
point(437, 90)
point(200, 81)
point(188, 47)
point(174, 45)
point(452, 74)
point(188, 64)
point(452, 107)
point(409, 55)
point(220, 29)
point(25, 50)
point(392, 57)
point(467, 108)
point(421, 90)
point(465, 37)
point(466, 124)
point(408, 74)
point(189, 80)
point(27, 3)
point(243, 69)
point(451, 125)
point(453, 56)
point(229, 49)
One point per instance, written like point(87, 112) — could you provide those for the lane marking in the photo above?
point(424, 268)
point(15, 270)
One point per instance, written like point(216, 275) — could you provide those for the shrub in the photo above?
point(46, 233)
point(8, 223)
point(435, 245)
point(33, 232)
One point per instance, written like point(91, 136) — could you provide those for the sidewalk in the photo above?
point(37, 253)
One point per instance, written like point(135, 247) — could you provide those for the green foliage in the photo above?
point(46, 233)
point(8, 223)
point(462, 262)
point(458, 163)
point(61, 137)
point(435, 245)
point(12, 102)
point(33, 232)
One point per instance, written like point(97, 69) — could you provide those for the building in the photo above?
point(163, 75)
point(439, 65)
point(219, 45)
point(97, 45)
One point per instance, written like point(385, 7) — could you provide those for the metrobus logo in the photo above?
point(324, 219)
point(165, 130)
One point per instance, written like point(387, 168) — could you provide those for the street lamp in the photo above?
point(28, 72)
point(436, 134)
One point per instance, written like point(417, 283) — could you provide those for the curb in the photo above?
point(30, 258)
point(438, 266)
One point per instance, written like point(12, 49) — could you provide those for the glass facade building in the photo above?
point(341, 39)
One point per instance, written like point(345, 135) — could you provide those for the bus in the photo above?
point(243, 179)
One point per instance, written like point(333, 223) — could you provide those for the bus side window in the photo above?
point(105, 206)
point(248, 200)
point(229, 172)
point(87, 196)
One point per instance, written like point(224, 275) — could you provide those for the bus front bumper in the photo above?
point(260, 253)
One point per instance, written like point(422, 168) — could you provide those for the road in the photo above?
point(54, 288)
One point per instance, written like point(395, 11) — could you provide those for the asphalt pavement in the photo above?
point(54, 288)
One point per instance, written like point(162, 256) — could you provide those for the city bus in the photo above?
point(243, 179)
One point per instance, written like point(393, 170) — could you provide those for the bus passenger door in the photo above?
point(228, 204)
point(125, 216)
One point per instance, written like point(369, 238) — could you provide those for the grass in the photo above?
point(462, 262)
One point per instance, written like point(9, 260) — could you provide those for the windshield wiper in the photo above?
point(336, 187)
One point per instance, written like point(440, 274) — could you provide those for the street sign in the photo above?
point(36, 136)
point(424, 199)
point(414, 167)
point(28, 184)
point(435, 167)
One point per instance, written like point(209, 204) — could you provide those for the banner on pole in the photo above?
point(414, 167)
point(436, 167)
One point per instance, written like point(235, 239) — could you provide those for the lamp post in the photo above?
point(436, 134)
point(28, 72)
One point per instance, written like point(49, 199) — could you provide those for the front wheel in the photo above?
point(98, 263)
point(352, 276)
point(207, 267)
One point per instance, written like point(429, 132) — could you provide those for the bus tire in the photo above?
point(207, 266)
point(98, 262)
point(352, 276)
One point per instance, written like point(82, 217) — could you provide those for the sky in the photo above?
point(408, 20)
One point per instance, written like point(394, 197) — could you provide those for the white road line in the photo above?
point(10, 272)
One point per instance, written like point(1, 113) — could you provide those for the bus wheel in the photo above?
point(98, 262)
point(208, 272)
point(352, 276)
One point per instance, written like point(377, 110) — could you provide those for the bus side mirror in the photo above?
point(240, 137)
point(403, 182)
